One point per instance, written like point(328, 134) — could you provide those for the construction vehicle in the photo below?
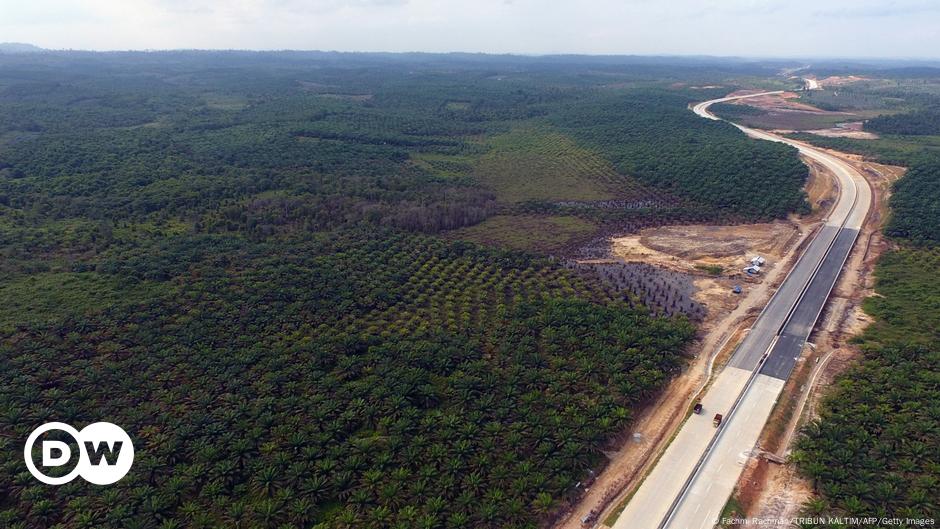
point(717, 420)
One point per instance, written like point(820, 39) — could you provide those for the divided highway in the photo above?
point(692, 481)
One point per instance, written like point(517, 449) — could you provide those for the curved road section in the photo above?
point(692, 481)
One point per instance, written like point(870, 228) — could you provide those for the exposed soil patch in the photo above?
point(791, 490)
point(707, 243)
point(715, 294)
point(771, 102)
point(715, 256)
point(849, 129)
point(785, 112)
point(699, 249)
point(840, 80)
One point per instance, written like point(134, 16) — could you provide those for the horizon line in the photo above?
point(38, 50)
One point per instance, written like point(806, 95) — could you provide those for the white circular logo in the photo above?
point(105, 453)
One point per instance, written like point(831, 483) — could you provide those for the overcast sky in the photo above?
point(761, 28)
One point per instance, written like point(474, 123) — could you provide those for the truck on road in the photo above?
point(717, 420)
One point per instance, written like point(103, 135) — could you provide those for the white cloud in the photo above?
point(869, 28)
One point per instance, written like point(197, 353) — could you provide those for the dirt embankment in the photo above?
point(768, 490)
point(821, 191)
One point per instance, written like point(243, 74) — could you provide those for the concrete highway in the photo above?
point(690, 484)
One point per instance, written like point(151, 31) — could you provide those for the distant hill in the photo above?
point(19, 47)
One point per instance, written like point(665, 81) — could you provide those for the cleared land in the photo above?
point(786, 111)
point(697, 248)
point(849, 129)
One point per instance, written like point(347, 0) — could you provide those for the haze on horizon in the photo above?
point(748, 28)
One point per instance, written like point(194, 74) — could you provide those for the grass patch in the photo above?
point(715, 270)
point(535, 163)
point(532, 233)
point(733, 507)
point(457, 105)
point(44, 297)
point(612, 517)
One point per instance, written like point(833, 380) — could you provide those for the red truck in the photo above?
point(717, 420)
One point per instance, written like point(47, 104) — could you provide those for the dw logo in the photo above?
point(105, 453)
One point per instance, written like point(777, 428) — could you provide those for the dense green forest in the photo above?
point(267, 268)
point(922, 122)
point(915, 204)
point(874, 449)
